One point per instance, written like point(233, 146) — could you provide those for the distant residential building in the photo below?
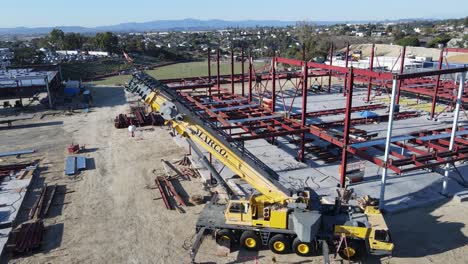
point(67, 52)
point(378, 33)
point(99, 53)
point(6, 55)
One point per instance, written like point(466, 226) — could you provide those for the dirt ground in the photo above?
point(395, 50)
point(111, 213)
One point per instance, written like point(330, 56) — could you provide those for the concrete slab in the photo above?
point(12, 194)
point(405, 191)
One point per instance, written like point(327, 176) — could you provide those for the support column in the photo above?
point(346, 65)
point(304, 109)
point(273, 84)
point(232, 71)
point(347, 126)
point(331, 62)
point(371, 67)
point(436, 88)
point(46, 80)
point(209, 72)
point(402, 68)
point(211, 162)
point(250, 76)
point(242, 70)
point(206, 163)
point(387, 143)
point(60, 72)
point(218, 81)
point(454, 130)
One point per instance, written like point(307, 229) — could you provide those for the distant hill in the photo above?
point(173, 25)
point(159, 25)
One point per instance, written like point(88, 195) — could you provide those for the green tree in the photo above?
point(107, 42)
point(72, 41)
point(56, 37)
point(27, 55)
point(441, 39)
point(409, 41)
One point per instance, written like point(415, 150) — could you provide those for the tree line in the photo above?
point(58, 40)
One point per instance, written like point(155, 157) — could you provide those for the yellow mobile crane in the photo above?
point(276, 217)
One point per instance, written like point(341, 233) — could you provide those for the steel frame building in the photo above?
point(246, 116)
point(25, 82)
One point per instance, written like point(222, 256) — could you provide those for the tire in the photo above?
point(279, 244)
point(250, 241)
point(223, 236)
point(355, 250)
point(303, 249)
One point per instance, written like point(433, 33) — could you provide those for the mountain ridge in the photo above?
point(188, 24)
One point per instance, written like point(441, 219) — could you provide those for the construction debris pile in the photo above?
point(169, 187)
point(138, 117)
point(16, 179)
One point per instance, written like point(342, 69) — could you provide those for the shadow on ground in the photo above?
point(32, 125)
point(419, 233)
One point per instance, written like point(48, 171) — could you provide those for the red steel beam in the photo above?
point(338, 111)
point(250, 77)
point(436, 90)
point(347, 125)
point(232, 71)
point(371, 68)
point(209, 71)
point(330, 74)
point(346, 66)
point(218, 83)
point(272, 134)
point(273, 84)
point(291, 62)
point(242, 70)
point(376, 75)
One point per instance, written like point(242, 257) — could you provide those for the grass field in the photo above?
point(88, 70)
point(180, 70)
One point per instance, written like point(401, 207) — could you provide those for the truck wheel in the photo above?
point(354, 251)
point(250, 240)
point(303, 249)
point(223, 236)
point(279, 244)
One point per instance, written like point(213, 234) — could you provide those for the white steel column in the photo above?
point(387, 143)
point(454, 130)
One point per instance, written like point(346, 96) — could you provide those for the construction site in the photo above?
point(360, 159)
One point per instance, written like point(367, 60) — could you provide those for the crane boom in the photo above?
point(189, 123)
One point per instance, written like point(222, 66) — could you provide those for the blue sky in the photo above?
point(35, 13)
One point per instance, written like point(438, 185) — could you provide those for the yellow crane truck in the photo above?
point(276, 217)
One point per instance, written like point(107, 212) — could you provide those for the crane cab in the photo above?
point(253, 213)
